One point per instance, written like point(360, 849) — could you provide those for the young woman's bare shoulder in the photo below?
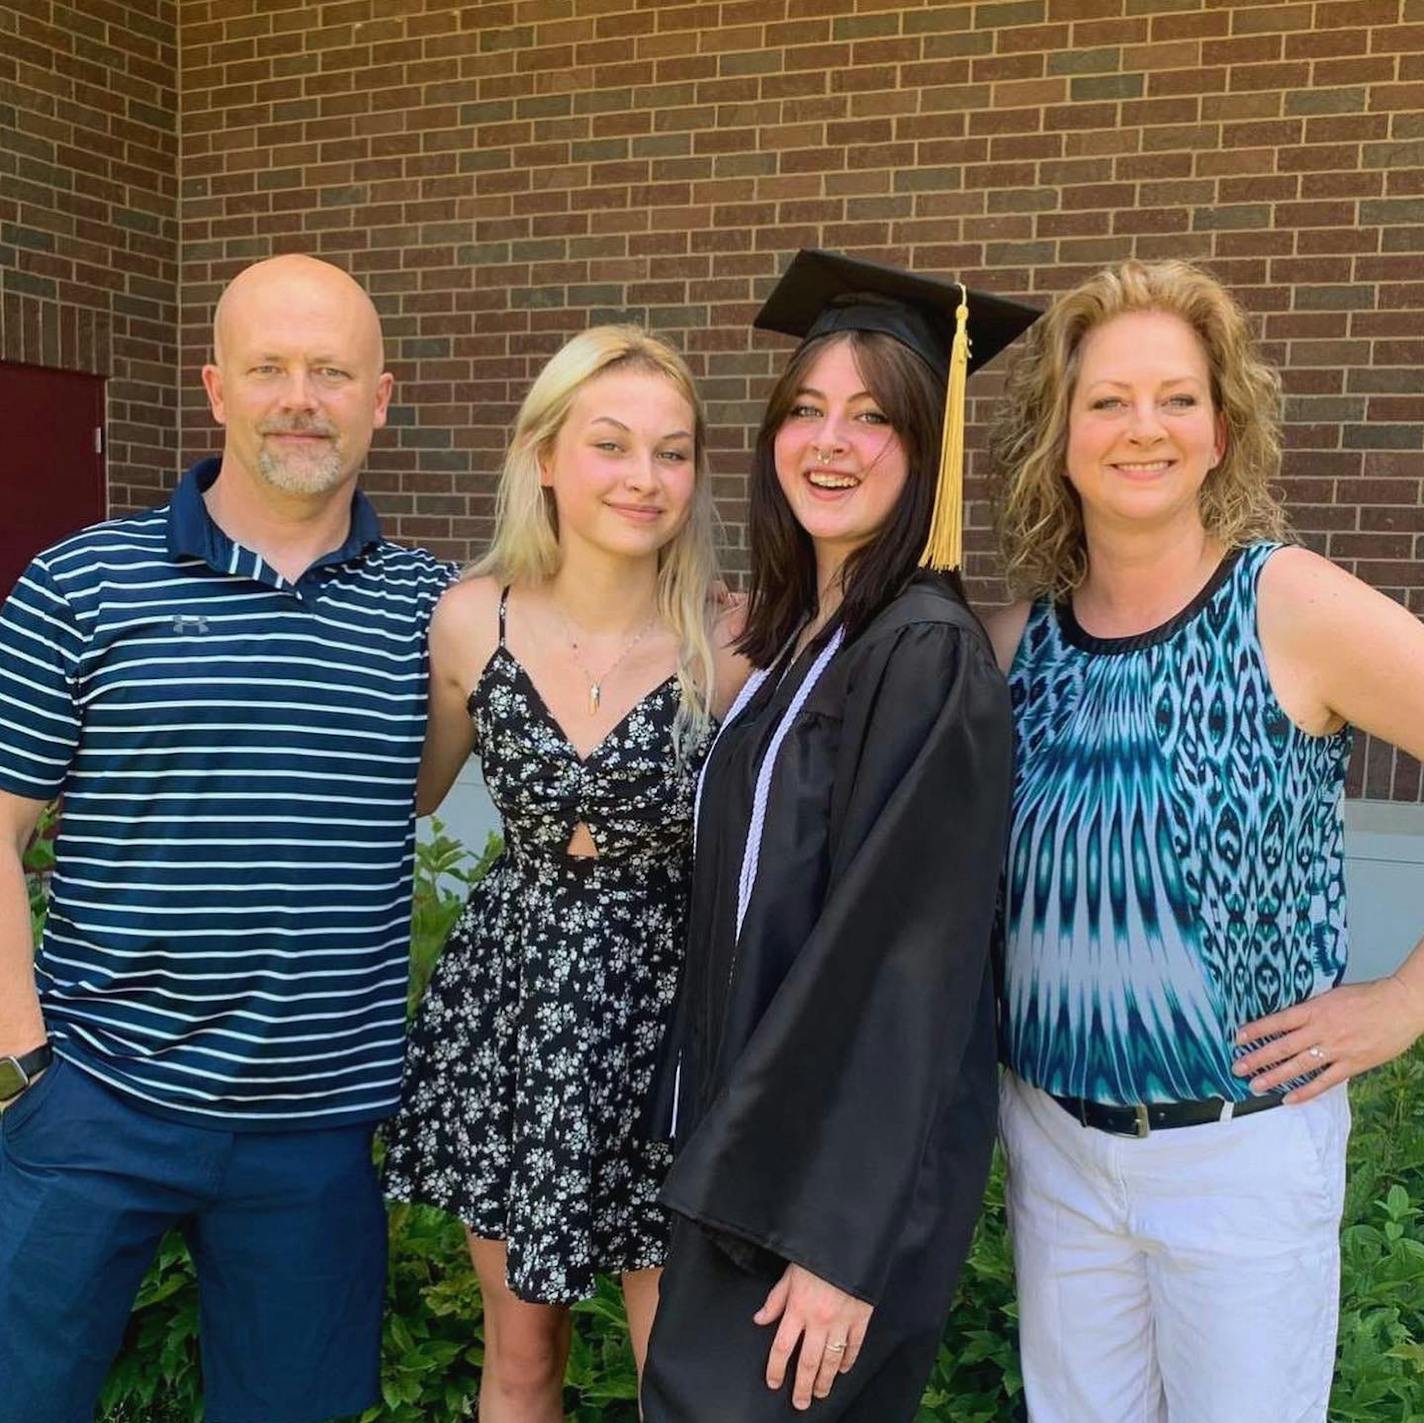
point(473, 591)
point(465, 629)
point(468, 602)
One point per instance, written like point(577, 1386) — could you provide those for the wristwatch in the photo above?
point(16, 1073)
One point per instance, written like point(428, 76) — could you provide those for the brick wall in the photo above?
point(500, 175)
point(88, 214)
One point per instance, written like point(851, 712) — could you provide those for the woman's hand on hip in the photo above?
point(829, 1323)
point(1334, 1035)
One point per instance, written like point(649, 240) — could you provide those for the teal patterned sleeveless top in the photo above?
point(1175, 861)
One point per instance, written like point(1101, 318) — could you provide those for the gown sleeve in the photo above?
point(812, 1150)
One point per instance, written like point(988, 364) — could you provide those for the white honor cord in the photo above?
point(751, 852)
point(749, 688)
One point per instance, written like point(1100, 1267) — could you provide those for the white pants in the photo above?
point(1191, 1276)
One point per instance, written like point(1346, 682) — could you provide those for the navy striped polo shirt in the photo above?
point(230, 914)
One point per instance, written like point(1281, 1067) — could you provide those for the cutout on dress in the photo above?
point(581, 846)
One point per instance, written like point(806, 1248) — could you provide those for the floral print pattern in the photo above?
point(532, 1054)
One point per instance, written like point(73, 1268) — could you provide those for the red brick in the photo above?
point(1258, 49)
point(1032, 39)
point(1355, 14)
point(1154, 58)
point(1186, 81)
point(1408, 97)
point(1327, 44)
point(1201, 24)
point(1347, 184)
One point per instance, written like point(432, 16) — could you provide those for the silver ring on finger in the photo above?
point(1317, 1054)
point(837, 1346)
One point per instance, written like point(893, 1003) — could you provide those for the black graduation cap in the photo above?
point(823, 292)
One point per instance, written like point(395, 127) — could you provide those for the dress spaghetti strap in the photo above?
point(503, 611)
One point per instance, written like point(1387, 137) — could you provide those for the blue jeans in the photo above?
point(287, 1231)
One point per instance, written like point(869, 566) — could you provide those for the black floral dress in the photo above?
point(530, 1060)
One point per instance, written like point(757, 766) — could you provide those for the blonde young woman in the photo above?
point(580, 660)
point(1176, 1035)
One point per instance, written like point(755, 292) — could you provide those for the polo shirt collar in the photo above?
point(192, 532)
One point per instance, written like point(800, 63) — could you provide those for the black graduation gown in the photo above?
point(836, 1062)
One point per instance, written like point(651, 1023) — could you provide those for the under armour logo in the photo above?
point(186, 623)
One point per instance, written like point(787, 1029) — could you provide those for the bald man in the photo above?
point(228, 692)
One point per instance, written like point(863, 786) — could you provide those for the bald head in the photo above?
point(296, 376)
point(307, 282)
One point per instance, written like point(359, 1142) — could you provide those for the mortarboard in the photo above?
point(823, 292)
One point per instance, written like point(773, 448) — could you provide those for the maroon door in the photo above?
point(51, 460)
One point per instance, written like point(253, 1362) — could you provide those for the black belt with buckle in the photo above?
point(1145, 1118)
point(16, 1073)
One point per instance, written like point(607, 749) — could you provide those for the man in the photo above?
point(229, 693)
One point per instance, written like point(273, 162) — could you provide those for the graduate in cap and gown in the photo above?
point(830, 1080)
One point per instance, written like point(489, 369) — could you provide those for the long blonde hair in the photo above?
point(525, 547)
point(1039, 517)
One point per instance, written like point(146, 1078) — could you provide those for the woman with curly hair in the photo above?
point(1176, 1034)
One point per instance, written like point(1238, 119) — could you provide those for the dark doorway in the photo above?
point(51, 460)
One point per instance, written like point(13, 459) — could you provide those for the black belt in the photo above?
point(1142, 1120)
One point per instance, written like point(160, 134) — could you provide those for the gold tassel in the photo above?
point(944, 549)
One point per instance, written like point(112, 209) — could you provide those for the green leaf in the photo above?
point(433, 1343)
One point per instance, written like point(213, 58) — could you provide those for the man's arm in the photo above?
point(21, 1026)
point(40, 722)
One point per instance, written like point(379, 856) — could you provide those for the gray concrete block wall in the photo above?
point(1384, 868)
point(1384, 879)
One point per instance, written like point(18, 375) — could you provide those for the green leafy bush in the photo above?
point(39, 862)
point(1380, 1378)
point(434, 1340)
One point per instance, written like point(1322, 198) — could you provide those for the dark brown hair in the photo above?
point(783, 578)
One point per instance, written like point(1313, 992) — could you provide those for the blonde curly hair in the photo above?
point(1037, 511)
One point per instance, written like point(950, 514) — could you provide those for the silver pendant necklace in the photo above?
point(595, 684)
